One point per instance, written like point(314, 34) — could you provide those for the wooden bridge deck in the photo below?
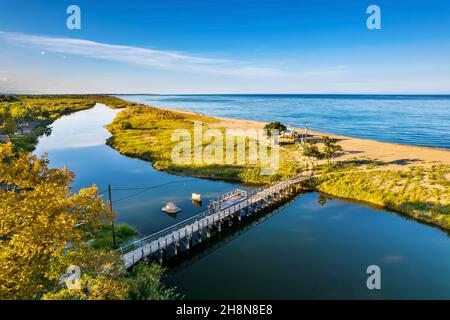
point(234, 203)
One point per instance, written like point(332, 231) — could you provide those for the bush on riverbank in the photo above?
point(145, 283)
point(27, 142)
point(104, 239)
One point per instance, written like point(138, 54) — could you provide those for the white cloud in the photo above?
point(139, 56)
point(328, 72)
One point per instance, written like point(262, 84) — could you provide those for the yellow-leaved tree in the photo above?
point(43, 226)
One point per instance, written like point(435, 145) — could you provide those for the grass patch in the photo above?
point(124, 233)
point(146, 132)
point(420, 192)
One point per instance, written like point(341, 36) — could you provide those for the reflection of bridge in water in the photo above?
point(201, 250)
point(234, 204)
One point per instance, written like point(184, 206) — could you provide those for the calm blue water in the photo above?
point(416, 120)
point(78, 141)
point(308, 250)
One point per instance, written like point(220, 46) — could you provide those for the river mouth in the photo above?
point(309, 250)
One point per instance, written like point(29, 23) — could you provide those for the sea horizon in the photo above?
point(306, 95)
point(406, 119)
point(248, 151)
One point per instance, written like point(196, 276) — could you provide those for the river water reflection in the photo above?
point(307, 250)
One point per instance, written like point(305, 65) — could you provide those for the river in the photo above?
point(310, 249)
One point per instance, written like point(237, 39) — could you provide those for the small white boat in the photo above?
point(196, 196)
point(170, 207)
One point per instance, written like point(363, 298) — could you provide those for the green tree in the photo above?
point(125, 124)
point(330, 148)
point(274, 126)
point(23, 114)
point(311, 151)
point(9, 126)
point(8, 98)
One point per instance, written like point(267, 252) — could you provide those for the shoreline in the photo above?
point(391, 151)
point(388, 151)
point(409, 180)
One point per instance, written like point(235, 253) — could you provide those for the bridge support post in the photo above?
point(208, 232)
point(199, 236)
point(219, 225)
point(175, 247)
point(161, 256)
point(188, 243)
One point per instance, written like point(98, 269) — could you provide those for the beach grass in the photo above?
point(419, 192)
point(146, 132)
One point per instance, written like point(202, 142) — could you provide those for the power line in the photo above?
point(144, 189)
point(100, 193)
point(131, 196)
point(152, 187)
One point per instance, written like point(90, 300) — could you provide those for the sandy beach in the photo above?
point(391, 156)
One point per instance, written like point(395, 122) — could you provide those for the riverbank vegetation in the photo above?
point(23, 118)
point(422, 193)
point(103, 239)
point(45, 228)
point(146, 132)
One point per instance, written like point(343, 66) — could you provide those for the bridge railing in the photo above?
point(137, 244)
point(162, 233)
point(178, 226)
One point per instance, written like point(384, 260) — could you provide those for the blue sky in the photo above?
point(216, 46)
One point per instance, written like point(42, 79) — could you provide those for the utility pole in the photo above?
point(112, 222)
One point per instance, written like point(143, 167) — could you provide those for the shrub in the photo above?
point(146, 284)
point(125, 125)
